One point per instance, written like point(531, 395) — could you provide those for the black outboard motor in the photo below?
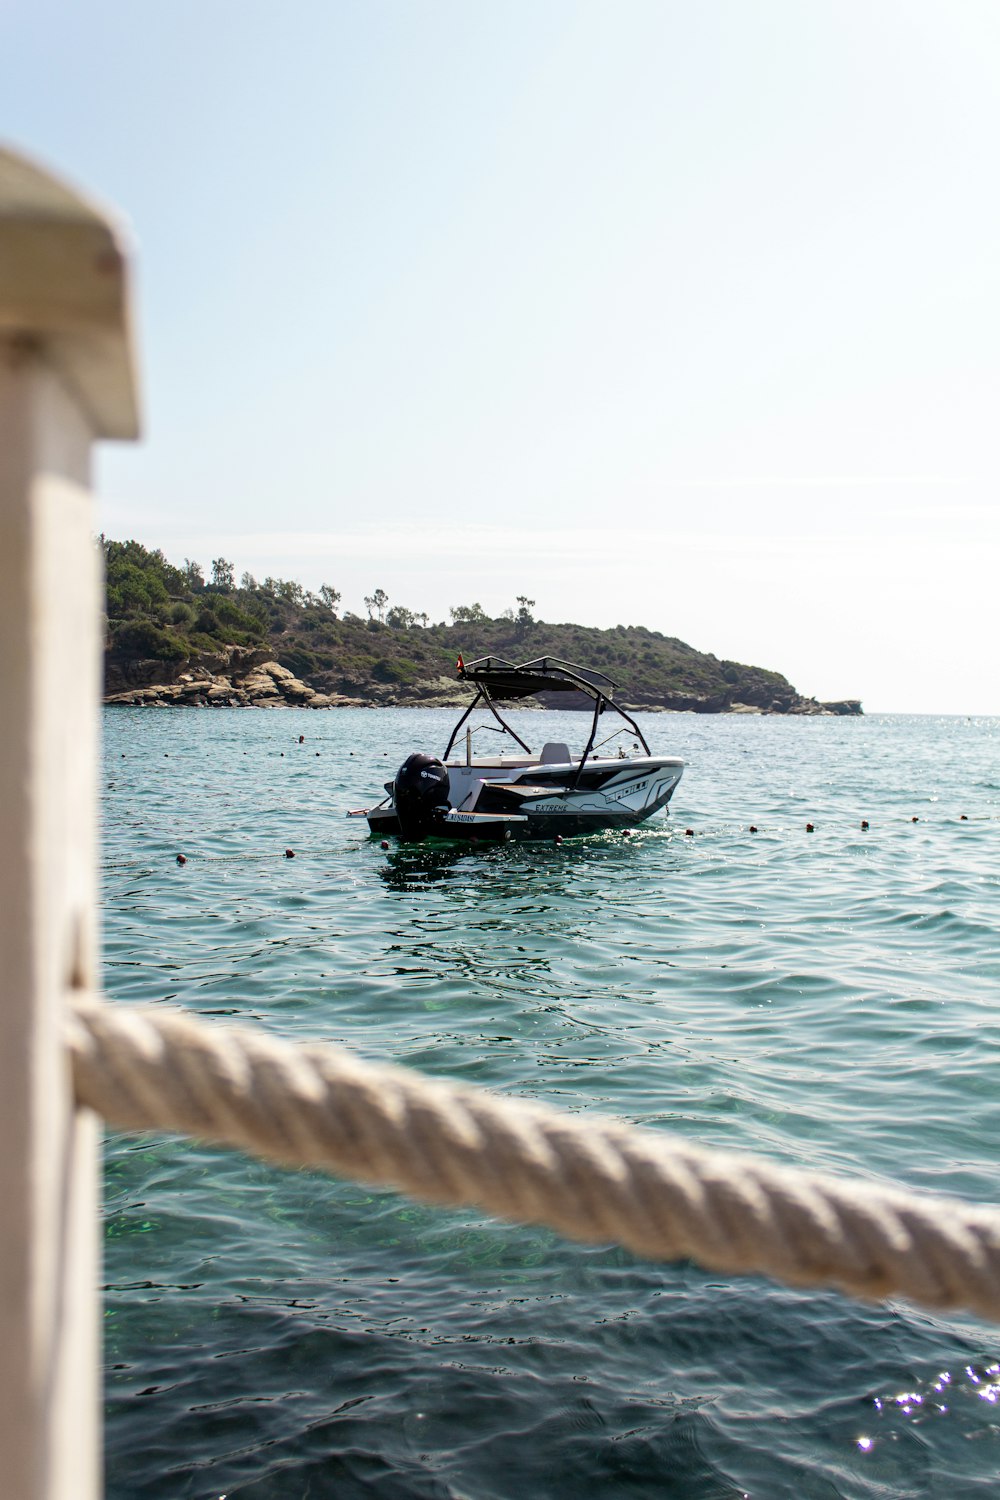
point(420, 788)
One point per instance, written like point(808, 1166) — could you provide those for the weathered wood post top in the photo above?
point(66, 380)
point(64, 288)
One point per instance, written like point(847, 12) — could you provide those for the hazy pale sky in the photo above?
point(676, 314)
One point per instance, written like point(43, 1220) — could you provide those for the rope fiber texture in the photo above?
point(592, 1178)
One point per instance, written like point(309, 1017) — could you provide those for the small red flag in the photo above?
point(460, 666)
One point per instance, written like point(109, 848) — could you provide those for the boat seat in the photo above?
point(472, 796)
point(555, 754)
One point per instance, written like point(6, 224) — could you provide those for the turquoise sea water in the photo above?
point(827, 998)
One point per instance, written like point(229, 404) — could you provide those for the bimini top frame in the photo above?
point(496, 678)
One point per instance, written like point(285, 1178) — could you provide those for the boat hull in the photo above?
point(541, 802)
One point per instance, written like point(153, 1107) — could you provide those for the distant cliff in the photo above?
point(174, 639)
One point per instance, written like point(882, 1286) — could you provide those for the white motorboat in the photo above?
point(528, 796)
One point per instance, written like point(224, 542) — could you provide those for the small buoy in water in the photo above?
point(385, 843)
point(558, 838)
point(289, 853)
point(753, 827)
point(317, 752)
point(963, 817)
point(914, 820)
point(181, 860)
point(864, 825)
point(689, 833)
point(282, 754)
point(810, 828)
point(302, 739)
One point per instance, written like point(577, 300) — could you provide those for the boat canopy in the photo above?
point(546, 674)
point(496, 678)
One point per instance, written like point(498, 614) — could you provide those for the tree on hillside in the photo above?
point(375, 604)
point(194, 578)
point(223, 575)
point(329, 597)
point(524, 617)
point(468, 614)
point(132, 590)
point(400, 618)
point(285, 589)
point(137, 581)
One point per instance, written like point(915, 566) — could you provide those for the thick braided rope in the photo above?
point(592, 1178)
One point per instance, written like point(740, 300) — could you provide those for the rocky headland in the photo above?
point(249, 677)
point(174, 640)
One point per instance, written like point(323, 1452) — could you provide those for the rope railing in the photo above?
point(592, 1178)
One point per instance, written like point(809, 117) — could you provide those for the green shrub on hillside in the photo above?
point(400, 670)
point(143, 639)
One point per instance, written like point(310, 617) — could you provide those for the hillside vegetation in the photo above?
point(161, 618)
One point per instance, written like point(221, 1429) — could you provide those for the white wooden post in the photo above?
point(65, 379)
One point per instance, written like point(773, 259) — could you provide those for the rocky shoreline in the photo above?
point(238, 678)
point(246, 677)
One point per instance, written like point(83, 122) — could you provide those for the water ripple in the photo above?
point(826, 998)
